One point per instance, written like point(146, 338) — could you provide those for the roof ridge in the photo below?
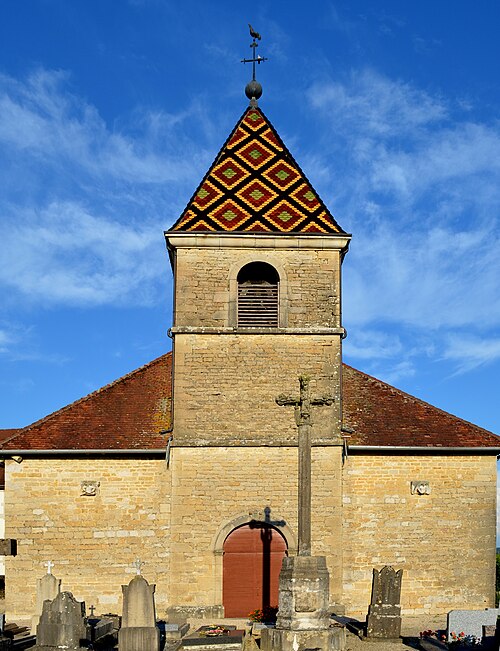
point(89, 396)
point(419, 400)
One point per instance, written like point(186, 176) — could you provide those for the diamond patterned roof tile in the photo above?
point(256, 186)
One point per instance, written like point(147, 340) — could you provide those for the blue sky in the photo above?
point(111, 112)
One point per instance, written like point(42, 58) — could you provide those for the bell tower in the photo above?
point(257, 260)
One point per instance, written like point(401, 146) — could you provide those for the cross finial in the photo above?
point(138, 565)
point(253, 89)
point(92, 608)
point(49, 565)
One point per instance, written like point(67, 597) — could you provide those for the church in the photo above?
point(189, 463)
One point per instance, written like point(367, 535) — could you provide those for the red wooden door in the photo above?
point(251, 567)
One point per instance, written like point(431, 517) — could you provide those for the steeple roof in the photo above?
point(256, 186)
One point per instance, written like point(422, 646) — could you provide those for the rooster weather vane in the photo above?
point(253, 89)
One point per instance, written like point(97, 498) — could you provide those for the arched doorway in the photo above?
point(252, 562)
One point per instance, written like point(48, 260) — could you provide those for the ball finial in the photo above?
point(253, 90)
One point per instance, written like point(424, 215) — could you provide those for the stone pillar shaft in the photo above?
point(304, 490)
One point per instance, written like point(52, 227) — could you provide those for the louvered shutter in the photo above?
point(258, 304)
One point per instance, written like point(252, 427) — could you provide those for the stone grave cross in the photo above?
point(49, 565)
point(138, 565)
point(303, 417)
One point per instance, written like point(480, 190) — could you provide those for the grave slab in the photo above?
point(470, 622)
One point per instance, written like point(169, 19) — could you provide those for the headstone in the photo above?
point(470, 622)
point(384, 612)
point(62, 624)
point(47, 588)
point(138, 631)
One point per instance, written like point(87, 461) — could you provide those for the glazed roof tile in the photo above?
point(129, 414)
point(256, 186)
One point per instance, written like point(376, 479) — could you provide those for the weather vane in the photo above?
point(253, 89)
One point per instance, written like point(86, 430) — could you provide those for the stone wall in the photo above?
point(225, 386)
point(176, 520)
point(444, 541)
point(205, 293)
point(216, 489)
point(93, 541)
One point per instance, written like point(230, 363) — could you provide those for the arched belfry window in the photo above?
point(258, 296)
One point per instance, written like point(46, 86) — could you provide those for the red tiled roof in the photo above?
point(126, 414)
point(382, 415)
point(129, 414)
point(7, 433)
point(256, 186)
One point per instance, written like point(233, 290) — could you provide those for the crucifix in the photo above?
point(303, 408)
point(49, 565)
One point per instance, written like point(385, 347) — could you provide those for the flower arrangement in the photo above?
point(214, 630)
point(463, 640)
point(458, 640)
point(267, 615)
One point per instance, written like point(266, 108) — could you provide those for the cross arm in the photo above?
point(325, 401)
point(287, 401)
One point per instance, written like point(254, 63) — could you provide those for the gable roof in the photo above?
point(7, 433)
point(129, 414)
point(256, 186)
point(381, 415)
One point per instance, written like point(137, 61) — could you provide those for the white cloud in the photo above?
point(419, 186)
point(471, 351)
point(372, 344)
point(42, 119)
point(373, 105)
point(64, 254)
point(82, 204)
point(5, 340)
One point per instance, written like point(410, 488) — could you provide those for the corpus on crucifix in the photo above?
point(303, 417)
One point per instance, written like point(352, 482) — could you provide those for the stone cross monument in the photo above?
point(303, 620)
point(303, 407)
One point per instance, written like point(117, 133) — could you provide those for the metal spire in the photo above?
point(253, 90)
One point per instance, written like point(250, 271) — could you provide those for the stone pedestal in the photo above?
point(139, 638)
point(303, 594)
point(303, 618)
point(333, 639)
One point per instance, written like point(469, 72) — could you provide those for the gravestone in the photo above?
point(303, 620)
point(47, 588)
point(384, 612)
point(138, 631)
point(62, 624)
point(470, 622)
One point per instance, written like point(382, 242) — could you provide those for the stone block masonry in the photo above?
point(426, 535)
point(92, 540)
